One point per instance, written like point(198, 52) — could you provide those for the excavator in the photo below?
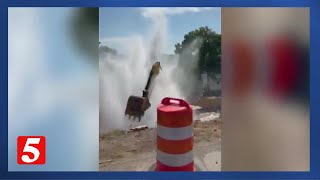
point(137, 105)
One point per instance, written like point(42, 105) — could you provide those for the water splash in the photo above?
point(125, 75)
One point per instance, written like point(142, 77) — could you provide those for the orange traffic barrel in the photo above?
point(244, 67)
point(238, 67)
point(174, 136)
point(285, 54)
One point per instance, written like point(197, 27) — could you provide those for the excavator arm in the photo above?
point(137, 105)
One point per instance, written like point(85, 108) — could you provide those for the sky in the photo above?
point(125, 22)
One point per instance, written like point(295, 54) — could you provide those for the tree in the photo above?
point(209, 49)
point(84, 28)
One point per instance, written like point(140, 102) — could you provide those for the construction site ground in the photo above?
point(136, 150)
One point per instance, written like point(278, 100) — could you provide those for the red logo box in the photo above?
point(31, 150)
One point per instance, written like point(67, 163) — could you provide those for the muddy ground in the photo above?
point(135, 150)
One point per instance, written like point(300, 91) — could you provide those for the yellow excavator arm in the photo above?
point(156, 68)
point(137, 105)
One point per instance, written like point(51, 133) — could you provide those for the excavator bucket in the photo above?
point(136, 106)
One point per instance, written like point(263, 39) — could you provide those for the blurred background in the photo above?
point(265, 89)
point(53, 85)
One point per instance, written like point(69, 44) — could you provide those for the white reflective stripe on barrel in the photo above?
point(175, 160)
point(174, 133)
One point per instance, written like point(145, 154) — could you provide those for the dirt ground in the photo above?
point(135, 150)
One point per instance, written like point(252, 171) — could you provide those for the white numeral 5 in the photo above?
point(31, 149)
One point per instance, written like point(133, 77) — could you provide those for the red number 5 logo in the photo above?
point(31, 150)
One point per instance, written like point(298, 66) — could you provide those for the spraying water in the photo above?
point(127, 74)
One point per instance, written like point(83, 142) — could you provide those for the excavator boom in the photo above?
point(137, 105)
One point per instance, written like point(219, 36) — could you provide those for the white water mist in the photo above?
point(127, 74)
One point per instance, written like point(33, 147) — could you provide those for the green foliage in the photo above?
point(84, 31)
point(209, 52)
